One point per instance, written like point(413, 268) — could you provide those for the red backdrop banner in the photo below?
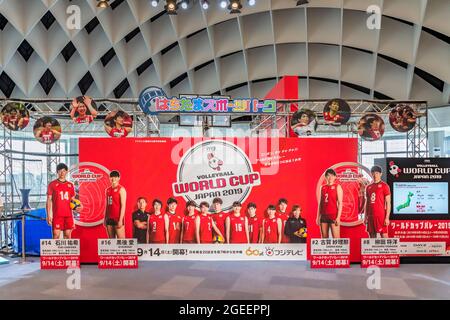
point(259, 170)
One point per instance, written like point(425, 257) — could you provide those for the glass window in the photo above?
point(397, 145)
point(369, 160)
point(396, 155)
point(373, 146)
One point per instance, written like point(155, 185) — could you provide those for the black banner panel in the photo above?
point(420, 204)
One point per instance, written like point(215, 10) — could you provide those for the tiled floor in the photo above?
point(225, 280)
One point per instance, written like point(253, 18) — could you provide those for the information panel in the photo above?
point(60, 253)
point(420, 205)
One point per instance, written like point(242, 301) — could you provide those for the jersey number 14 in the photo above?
point(64, 195)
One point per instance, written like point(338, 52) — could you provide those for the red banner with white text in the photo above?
point(259, 170)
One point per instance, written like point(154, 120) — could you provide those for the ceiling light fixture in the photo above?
point(235, 6)
point(223, 4)
point(154, 3)
point(184, 4)
point(171, 6)
point(102, 4)
point(205, 4)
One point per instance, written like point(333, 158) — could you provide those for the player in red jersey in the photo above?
point(237, 225)
point(116, 126)
point(59, 194)
point(116, 199)
point(375, 130)
point(118, 132)
point(272, 227)
point(81, 105)
point(254, 224)
point(47, 134)
point(333, 115)
point(283, 215)
point(175, 220)
point(378, 205)
point(219, 216)
point(204, 225)
point(330, 206)
point(158, 225)
point(24, 118)
point(188, 224)
point(13, 120)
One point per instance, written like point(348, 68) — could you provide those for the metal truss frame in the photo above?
point(417, 138)
point(274, 125)
point(7, 192)
point(53, 158)
point(143, 125)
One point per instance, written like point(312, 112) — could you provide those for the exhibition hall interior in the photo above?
point(242, 150)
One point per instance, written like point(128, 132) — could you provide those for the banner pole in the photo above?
point(23, 238)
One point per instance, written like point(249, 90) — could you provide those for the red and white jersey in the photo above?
point(62, 193)
point(85, 119)
point(237, 229)
point(189, 228)
point(25, 122)
point(47, 136)
point(156, 228)
point(254, 227)
point(336, 118)
point(375, 134)
point(219, 219)
point(13, 120)
point(206, 234)
point(328, 201)
point(174, 227)
point(376, 194)
point(118, 133)
point(271, 230)
point(113, 202)
point(283, 217)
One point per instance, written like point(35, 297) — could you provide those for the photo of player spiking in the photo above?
point(371, 127)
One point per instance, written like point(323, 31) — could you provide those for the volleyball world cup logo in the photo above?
point(215, 169)
point(90, 181)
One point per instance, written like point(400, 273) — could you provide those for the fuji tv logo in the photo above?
point(86, 175)
point(394, 169)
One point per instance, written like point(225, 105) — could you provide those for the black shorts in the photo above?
point(111, 222)
point(325, 219)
